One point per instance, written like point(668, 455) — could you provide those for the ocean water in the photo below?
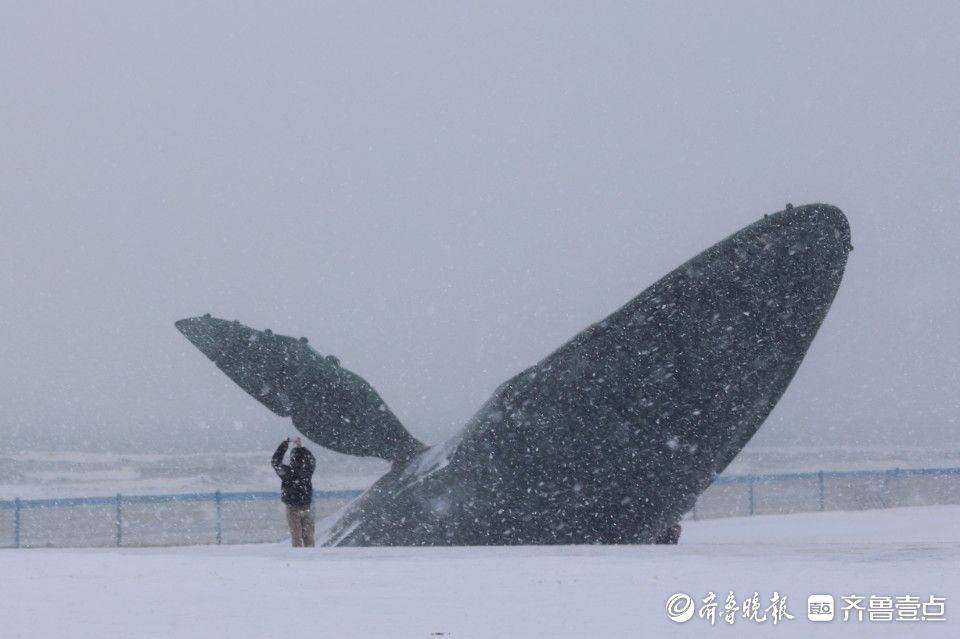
point(34, 474)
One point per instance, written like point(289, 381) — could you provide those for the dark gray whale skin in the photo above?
point(332, 406)
point(608, 440)
point(612, 438)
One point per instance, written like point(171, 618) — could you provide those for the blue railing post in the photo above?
point(119, 521)
point(885, 486)
point(16, 522)
point(219, 501)
point(752, 497)
point(820, 480)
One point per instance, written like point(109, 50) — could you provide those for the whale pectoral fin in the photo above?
point(341, 411)
point(257, 361)
point(329, 404)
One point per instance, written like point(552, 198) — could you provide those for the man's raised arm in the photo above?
point(277, 460)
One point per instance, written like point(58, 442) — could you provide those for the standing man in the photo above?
point(296, 489)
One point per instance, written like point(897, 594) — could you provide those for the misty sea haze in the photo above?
point(442, 195)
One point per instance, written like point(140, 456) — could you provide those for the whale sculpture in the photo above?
point(609, 439)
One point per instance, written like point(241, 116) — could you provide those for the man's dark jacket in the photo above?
point(296, 489)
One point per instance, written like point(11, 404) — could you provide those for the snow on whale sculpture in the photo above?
point(608, 440)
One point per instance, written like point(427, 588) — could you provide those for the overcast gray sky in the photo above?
point(441, 194)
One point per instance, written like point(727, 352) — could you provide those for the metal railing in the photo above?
point(251, 517)
point(780, 493)
point(124, 514)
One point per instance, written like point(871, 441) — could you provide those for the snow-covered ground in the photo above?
point(271, 590)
